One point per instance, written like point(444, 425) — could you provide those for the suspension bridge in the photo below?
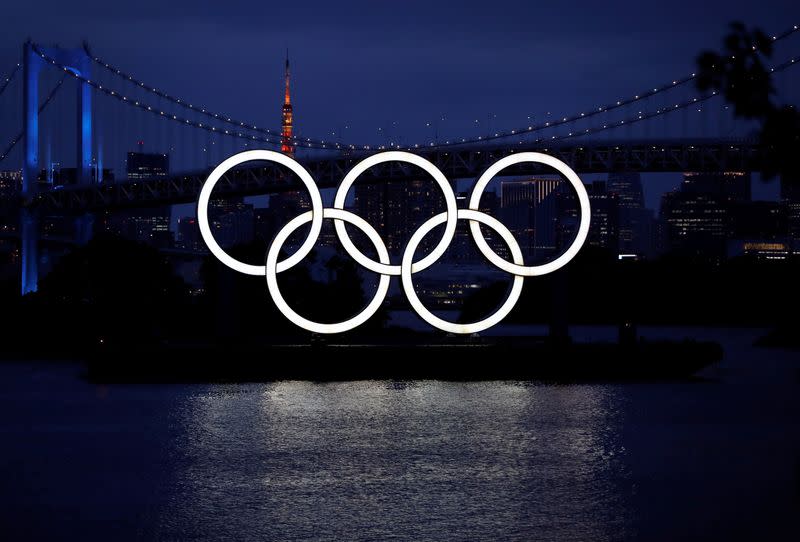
point(72, 109)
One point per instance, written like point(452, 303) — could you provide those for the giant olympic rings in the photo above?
point(383, 266)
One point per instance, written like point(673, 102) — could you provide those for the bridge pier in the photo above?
point(29, 250)
point(79, 62)
point(84, 226)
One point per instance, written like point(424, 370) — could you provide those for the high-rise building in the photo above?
point(604, 224)
point(370, 203)
point(790, 195)
point(700, 214)
point(628, 188)
point(144, 165)
point(397, 209)
point(287, 117)
point(636, 228)
point(147, 225)
point(604, 227)
point(10, 182)
point(189, 237)
point(697, 223)
point(529, 209)
point(462, 249)
point(232, 221)
point(10, 185)
point(725, 185)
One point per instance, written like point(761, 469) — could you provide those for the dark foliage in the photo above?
point(240, 306)
point(110, 289)
point(675, 290)
point(740, 72)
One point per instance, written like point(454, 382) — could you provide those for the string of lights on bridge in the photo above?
point(42, 107)
point(642, 116)
point(9, 78)
point(317, 143)
point(638, 117)
point(275, 138)
point(225, 119)
point(675, 83)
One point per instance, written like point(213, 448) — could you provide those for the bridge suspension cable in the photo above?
point(244, 131)
point(225, 119)
point(232, 133)
point(642, 116)
point(529, 129)
point(42, 107)
point(10, 77)
point(648, 93)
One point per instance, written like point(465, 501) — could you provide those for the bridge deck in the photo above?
point(454, 162)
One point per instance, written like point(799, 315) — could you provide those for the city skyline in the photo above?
point(410, 271)
point(175, 137)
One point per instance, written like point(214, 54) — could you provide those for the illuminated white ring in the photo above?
point(267, 156)
point(272, 272)
point(583, 200)
point(428, 316)
point(451, 209)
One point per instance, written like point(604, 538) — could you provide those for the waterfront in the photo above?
point(713, 457)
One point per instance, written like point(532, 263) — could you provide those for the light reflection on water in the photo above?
point(426, 460)
point(715, 459)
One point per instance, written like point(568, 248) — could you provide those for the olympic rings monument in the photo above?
point(408, 265)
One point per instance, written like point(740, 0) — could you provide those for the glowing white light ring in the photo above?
point(583, 200)
point(411, 294)
point(383, 267)
point(451, 209)
point(267, 156)
point(272, 272)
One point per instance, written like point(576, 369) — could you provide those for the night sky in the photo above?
point(360, 66)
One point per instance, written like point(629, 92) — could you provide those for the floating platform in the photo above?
point(510, 358)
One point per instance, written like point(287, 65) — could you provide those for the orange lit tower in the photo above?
point(286, 120)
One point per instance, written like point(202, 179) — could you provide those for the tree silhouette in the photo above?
point(740, 74)
point(242, 303)
point(111, 287)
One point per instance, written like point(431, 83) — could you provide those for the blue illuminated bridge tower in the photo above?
point(79, 62)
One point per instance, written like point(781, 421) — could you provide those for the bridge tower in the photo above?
point(79, 62)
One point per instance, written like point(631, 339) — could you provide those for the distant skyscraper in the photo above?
point(10, 182)
point(396, 209)
point(287, 146)
point(604, 224)
point(628, 188)
point(10, 185)
point(529, 209)
point(700, 214)
point(148, 225)
point(635, 221)
point(790, 194)
point(726, 185)
point(189, 237)
point(604, 227)
point(697, 223)
point(143, 165)
point(232, 221)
